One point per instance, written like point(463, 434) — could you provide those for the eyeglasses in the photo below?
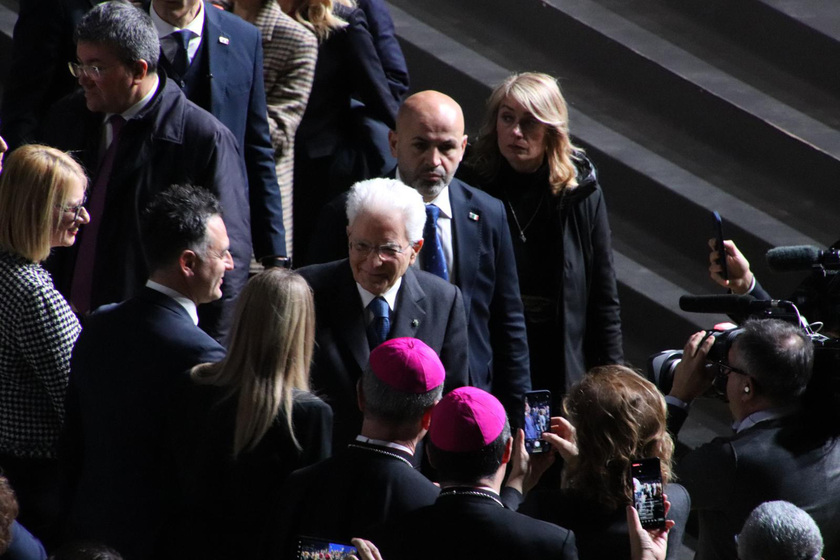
point(724, 370)
point(77, 209)
point(91, 71)
point(386, 252)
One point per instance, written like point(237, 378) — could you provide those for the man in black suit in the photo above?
point(121, 369)
point(474, 238)
point(135, 133)
point(372, 480)
point(376, 295)
point(470, 445)
point(776, 452)
point(219, 67)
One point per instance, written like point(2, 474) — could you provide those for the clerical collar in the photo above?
point(383, 443)
point(764, 416)
point(185, 302)
point(461, 491)
point(385, 448)
point(390, 296)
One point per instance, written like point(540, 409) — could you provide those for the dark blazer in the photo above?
point(42, 46)
point(171, 141)
point(470, 526)
point(426, 308)
point(485, 271)
point(340, 498)
point(222, 505)
point(237, 99)
point(774, 460)
point(387, 47)
point(123, 365)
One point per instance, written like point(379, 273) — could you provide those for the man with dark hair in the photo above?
point(774, 454)
point(122, 366)
point(470, 446)
point(372, 480)
point(135, 133)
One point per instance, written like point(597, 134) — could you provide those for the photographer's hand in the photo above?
point(562, 437)
point(691, 379)
point(526, 470)
point(737, 267)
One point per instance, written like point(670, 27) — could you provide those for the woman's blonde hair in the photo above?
point(318, 16)
point(35, 181)
point(271, 345)
point(619, 416)
point(540, 95)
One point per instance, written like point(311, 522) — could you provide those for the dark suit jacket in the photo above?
point(485, 271)
point(237, 99)
point(340, 498)
point(387, 47)
point(122, 367)
point(426, 308)
point(41, 48)
point(171, 141)
point(468, 526)
point(773, 460)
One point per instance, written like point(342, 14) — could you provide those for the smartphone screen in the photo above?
point(309, 547)
point(719, 246)
point(646, 478)
point(537, 420)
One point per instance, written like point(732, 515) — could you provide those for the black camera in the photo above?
point(661, 366)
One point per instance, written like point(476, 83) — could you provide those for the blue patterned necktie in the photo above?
point(182, 58)
point(434, 260)
point(377, 330)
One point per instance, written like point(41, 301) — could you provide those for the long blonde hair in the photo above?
point(619, 416)
point(271, 346)
point(318, 16)
point(35, 181)
point(540, 95)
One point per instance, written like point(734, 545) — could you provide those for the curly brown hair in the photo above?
point(619, 416)
point(8, 513)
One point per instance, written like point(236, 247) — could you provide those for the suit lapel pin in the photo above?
point(415, 323)
point(224, 40)
point(473, 216)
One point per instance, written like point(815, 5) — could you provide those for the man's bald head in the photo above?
point(429, 141)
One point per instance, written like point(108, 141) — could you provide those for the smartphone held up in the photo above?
point(648, 493)
point(537, 421)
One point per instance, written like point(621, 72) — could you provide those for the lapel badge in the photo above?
point(224, 40)
point(473, 216)
point(415, 323)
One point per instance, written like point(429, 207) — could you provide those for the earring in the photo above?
point(746, 389)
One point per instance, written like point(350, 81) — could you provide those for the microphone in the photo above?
point(801, 257)
point(730, 304)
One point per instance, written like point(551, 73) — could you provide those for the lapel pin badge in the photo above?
point(224, 40)
point(415, 323)
point(473, 216)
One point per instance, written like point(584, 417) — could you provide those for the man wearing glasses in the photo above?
point(775, 452)
point(136, 133)
point(376, 295)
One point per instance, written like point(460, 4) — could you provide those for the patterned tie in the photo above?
point(82, 284)
point(377, 330)
point(182, 59)
point(434, 260)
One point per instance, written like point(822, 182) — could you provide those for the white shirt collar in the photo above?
point(390, 296)
point(163, 28)
point(185, 302)
point(441, 200)
point(763, 416)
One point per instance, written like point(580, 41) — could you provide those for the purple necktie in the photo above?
point(81, 287)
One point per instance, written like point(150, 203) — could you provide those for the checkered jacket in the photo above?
point(37, 333)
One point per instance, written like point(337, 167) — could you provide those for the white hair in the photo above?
point(779, 530)
point(388, 196)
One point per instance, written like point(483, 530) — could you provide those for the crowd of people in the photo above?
point(170, 389)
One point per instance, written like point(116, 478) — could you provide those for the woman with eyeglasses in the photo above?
point(558, 223)
point(42, 196)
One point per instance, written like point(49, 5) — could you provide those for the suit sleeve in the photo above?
point(603, 342)
point(289, 69)
point(511, 362)
point(454, 353)
point(384, 38)
point(371, 82)
point(267, 231)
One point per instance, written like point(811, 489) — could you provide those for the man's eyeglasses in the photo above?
point(91, 71)
point(389, 251)
point(722, 372)
point(76, 209)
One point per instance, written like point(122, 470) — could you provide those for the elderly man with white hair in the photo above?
point(376, 295)
point(779, 530)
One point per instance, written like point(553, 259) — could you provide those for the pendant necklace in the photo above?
point(521, 229)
